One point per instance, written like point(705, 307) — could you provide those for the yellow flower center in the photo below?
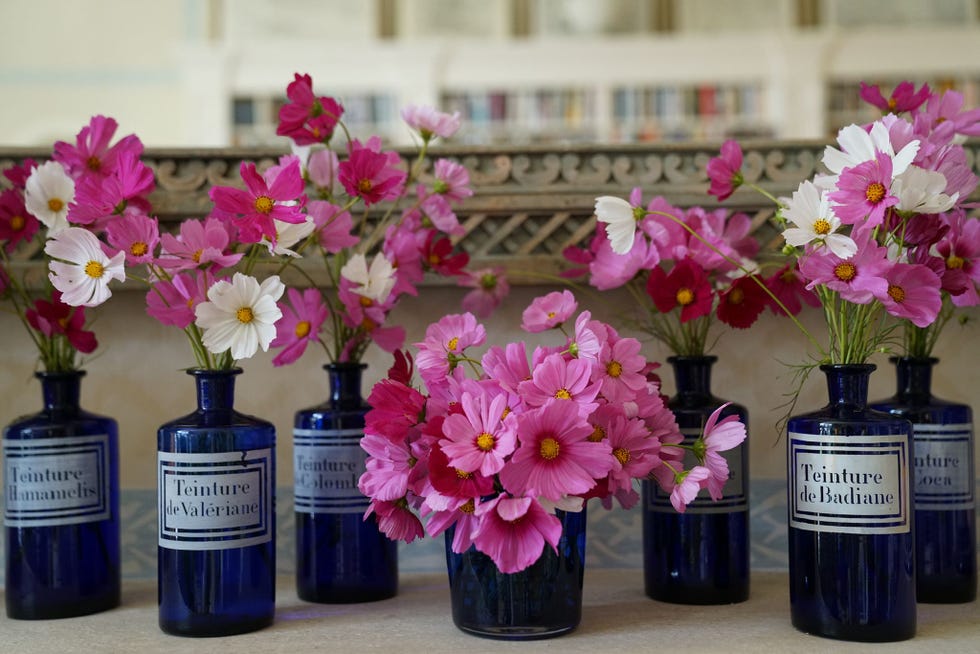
point(56, 204)
point(563, 394)
point(551, 314)
point(614, 369)
point(622, 454)
point(17, 223)
point(598, 433)
point(245, 315)
point(368, 325)
point(845, 271)
point(821, 226)
point(138, 249)
point(93, 163)
point(954, 262)
point(685, 296)
point(736, 296)
point(875, 192)
point(197, 256)
point(896, 293)
point(434, 259)
point(264, 204)
point(548, 449)
point(788, 277)
point(453, 342)
point(302, 328)
point(462, 474)
point(892, 104)
point(366, 301)
point(485, 441)
point(468, 507)
point(94, 269)
point(365, 186)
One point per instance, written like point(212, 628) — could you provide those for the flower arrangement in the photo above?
point(494, 444)
point(884, 234)
point(686, 268)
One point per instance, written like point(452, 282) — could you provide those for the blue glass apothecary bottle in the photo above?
point(216, 496)
point(340, 556)
point(61, 507)
point(851, 538)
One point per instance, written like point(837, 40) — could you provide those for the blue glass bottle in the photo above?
point(340, 557)
point(945, 516)
point(851, 540)
point(700, 556)
point(542, 601)
point(216, 558)
point(61, 507)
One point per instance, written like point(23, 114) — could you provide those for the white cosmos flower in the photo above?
point(240, 315)
point(858, 146)
point(289, 234)
point(620, 221)
point(921, 191)
point(47, 193)
point(374, 284)
point(80, 269)
point(815, 221)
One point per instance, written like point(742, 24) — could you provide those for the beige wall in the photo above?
point(137, 379)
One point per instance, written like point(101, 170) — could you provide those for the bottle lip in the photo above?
point(345, 365)
point(59, 374)
point(202, 372)
point(855, 367)
point(920, 360)
point(683, 358)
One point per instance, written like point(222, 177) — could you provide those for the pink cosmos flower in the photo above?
point(687, 487)
point(302, 318)
point(686, 286)
point(513, 531)
point(16, 224)
point(135, 234)
point(903, 98)
point(444, 343)
point(333, 226)
point(611, 270)
point(396, 408)
point(198, 244)
point(489, 286)
point(306, 118)
point(370, 174)
point(787, 285)
point(620, 369)
point(57, 318)
point(555, 457)
point(92, 155)
point(859, 279)
point(635, 451)
point(322, 169)
point(429, 122)
point(479, 439)
point(255, 208)
point(396, 520)
point(960, 249)
point(403, 248)
point(719, 436)
point(440, 213)
point(452, 180)
point(864, 193)
point(548, 311)
point(508, 365)
point(173, 302)
point(556, 378)
point(459, 513)
point(588, 339)
point(945, 111)
point(97, 199)
point(913, 293)
point(725, 170)
point(18, 174)
point(388, 467)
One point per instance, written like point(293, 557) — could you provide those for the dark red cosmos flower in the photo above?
point(686, 286)
point(787, 285)
point(437, 255)
point(742, 303)
point(54, 318)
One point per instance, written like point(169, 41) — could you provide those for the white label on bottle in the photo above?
point(215, 501)
point(734, 498)
point(56, 481)
point(944, 467)
point(849, 484)
point(326, 467)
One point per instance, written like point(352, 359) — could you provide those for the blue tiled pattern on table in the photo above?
point(614, 537)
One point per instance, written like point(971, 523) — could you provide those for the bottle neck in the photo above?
point(847, 384)
point(61, 390)
point(914, 376)
point(215, 388)
point(692, 375)
point(345, 384)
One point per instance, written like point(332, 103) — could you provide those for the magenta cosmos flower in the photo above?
point(333, 226)
point(97, 199)
point(508, 365)
point(479, 439)
point(513, 531)
point(686, 286)
point(173, 302)
point(306, 118)
point(302, 318)
point(16, 224)
point(92, 155)
point(635, 450)
point(859, 279)
point(396, 408)
point(864, 193)
point(555, 457)
point(913, 293)
point(903, 98)
point(255, 208)
point(370, 174)
point(548, 311)
point(388, 468)
point(725, 170)
point(396, 520)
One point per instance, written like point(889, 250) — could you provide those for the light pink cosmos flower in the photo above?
point(333, 226)
point(254, 209)
point(135, 234)
point(322, 168)
point(508, 365)
point(719, 436)
point(946, 111)
point(864, 193)
point(513, 531)
point(687, 487)
point(444, 343)
point(548, 311)
point(913, 293)
point(302, 318)
point(555, 457)
point(611, 270)
point(725, 170)
point(429, 122)
point(452, 180)
point(556, 378)
point(490, 287)
point(440, 213)
point(388, 467)
point(588, 338)
point(859, 279)
point(620, 370)
point(479, 439)
point(173, 302)
point(92, 155)
point(198, 244)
